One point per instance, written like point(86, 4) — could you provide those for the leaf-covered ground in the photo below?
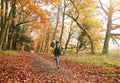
point(40, 68)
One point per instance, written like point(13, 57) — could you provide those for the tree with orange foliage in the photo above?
point(20, 13)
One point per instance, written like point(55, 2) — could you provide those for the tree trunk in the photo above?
point(77, 48)
point(12, 38)
point(56, 23)
point(2, 36)
point(108, 35)
point(92, 45)
point(38, 46)
point(41, 46)
point(6, 38)
point(47, 41)
point(13, 23)
point(6, 27)
point(63, 17)
point(23, 46)
point(66, 44)
point(2, 32)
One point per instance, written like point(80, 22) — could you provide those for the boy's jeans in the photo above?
point(57, 60)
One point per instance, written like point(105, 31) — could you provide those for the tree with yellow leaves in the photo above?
point(82, 12)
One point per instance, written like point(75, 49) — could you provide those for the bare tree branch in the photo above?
point(116, 26)
point(116, 19)
point(75, 9)
point(115, 34)
point(117, 37)
point(103, 7)
point(114, 40)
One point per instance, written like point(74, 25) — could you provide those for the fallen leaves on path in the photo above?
point(84, 73)
point(30, 68)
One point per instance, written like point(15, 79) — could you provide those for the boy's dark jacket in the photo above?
point(57, 50)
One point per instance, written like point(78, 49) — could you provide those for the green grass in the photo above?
point(11, 52)
point(96, 60)
point(109, 60)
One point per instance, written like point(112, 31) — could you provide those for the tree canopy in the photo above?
point(75, 23)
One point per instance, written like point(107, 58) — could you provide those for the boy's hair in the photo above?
point(57, 41)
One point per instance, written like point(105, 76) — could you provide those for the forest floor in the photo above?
point(40, 68)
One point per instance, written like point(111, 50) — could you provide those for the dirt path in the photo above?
point(44, 66)
point(30, 68)
point(40, 68)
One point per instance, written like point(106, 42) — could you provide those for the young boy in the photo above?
point(57, 53)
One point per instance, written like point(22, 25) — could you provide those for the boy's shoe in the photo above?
point(58, 67)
